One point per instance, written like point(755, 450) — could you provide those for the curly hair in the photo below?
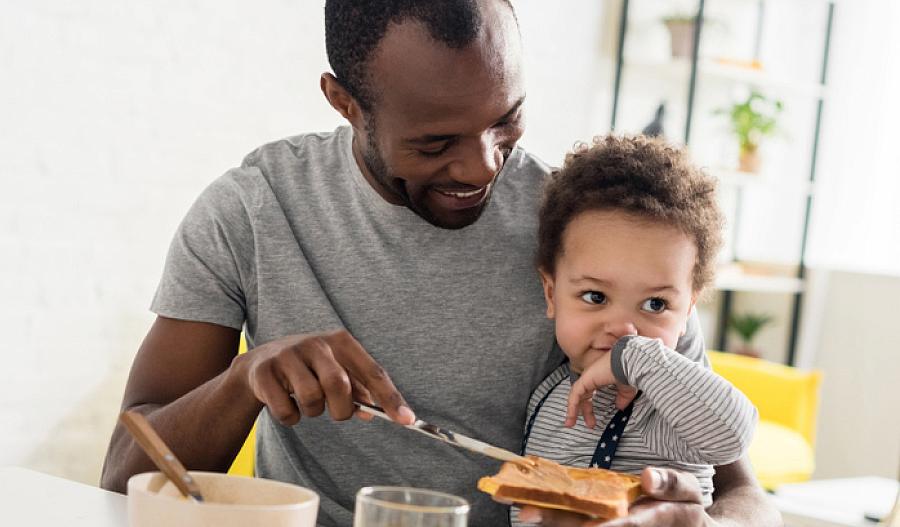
point(638, 175)
point(355, 28)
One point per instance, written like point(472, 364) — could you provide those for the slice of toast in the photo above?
point(596, 492)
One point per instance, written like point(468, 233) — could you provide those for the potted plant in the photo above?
point(681, 34)
point(747, 326)
point(751, 120)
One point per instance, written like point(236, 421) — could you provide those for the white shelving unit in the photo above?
point(755, 283)
point(647, 74)
point(679, 70)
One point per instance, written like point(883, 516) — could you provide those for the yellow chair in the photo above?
point(243, 463)
point(787, 398)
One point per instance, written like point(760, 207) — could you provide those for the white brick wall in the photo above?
point(115, 115)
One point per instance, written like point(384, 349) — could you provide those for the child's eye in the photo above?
point(594, 297)
point(654, 305)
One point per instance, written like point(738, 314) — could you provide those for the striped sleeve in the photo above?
point(700, 417)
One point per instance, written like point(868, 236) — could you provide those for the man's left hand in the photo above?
point(672, 498)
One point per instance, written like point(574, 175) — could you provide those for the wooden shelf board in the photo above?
point(711, 70)
point(732, 281)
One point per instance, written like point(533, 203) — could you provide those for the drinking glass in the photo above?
point(408, 507)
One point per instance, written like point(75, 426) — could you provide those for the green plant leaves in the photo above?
point(753, 118)
point(748, 324)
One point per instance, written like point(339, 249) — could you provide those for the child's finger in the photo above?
point(572, 406)
point(571, 414)
point(587, 409)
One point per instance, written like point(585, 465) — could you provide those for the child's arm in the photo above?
point(700, 417)
point(581, 396)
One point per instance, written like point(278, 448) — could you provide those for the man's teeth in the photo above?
point(462, 194)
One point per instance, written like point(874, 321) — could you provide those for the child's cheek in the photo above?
point(671, 341)
point(668, 334)
point(573, 337)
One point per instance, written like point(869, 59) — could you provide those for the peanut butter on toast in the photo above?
point(595, 492)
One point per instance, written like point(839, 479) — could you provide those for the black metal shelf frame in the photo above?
point(728, 295)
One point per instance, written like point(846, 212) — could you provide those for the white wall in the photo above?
point(859, 202)
point(115, 115)
point(857, 350)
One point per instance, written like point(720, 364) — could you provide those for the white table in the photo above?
point(835, 502)
point(29, 498)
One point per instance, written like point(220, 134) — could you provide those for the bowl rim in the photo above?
point(311, 502)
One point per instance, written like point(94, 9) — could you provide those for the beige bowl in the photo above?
point(229, 501)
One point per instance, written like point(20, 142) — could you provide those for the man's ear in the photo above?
point(547, 282)
point(341, 100)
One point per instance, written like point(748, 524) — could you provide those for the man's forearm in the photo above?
point(744, 505)
point(205, 429)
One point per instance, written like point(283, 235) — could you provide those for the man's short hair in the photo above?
point(643, 177)
point(354, 28)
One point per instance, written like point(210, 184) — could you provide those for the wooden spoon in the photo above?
point(160, 454)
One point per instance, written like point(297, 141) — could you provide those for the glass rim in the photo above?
point(367, 494)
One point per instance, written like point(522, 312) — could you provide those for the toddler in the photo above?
point(629, 232)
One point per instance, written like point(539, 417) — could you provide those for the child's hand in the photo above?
point(581, 397)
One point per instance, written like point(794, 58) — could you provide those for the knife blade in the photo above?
point(447, 436)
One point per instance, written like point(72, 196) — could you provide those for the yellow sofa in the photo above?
point(787, 398)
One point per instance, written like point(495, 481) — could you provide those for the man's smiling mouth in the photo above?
point(459, 198)
point(462, 194)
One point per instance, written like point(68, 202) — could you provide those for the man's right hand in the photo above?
point(203, 398)
point(301, 375)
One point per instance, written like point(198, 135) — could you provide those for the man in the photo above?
point(391, 257)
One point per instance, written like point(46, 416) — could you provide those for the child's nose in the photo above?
point(621, 328)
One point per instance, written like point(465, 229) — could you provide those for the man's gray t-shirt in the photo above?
point(296, 241)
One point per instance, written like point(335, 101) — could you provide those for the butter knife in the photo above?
point(458, 440)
